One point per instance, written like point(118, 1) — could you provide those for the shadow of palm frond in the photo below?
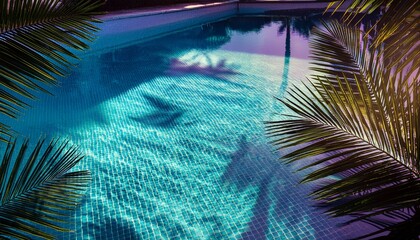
point(219, 70)
point(165, 114)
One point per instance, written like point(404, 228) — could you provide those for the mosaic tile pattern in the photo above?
point(173, 133)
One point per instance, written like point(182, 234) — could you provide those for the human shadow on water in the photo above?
point(259, 223)
point(165, 114)
point(279, 198)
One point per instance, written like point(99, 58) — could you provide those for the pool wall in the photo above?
point(125, 28)
point(263, 7)
point(130, 27)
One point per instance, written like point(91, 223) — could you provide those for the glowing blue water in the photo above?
point(173, 133)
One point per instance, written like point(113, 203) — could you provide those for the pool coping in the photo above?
point(142, 12)
point(161, 10)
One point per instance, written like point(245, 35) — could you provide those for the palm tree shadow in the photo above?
point(218, 70)
point(279, 198)
point(259, 223)
point(165, 115)
point(256, 165)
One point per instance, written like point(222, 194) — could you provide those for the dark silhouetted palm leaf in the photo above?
point(399, 18)
point(36, 42)
point(358, 127)
point(376, 165)
point(36, 189)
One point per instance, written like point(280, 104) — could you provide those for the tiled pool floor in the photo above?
point(173, 133)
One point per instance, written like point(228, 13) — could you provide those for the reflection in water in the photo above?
point(303, 25)
point(143, 62)
point(247, 25)
point(285, 76)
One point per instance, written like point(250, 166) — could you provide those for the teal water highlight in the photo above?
point(173, 132)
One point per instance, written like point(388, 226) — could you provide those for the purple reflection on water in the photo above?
point(268, 41)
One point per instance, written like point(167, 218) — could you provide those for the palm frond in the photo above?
point(373, 155)
point(37, 190)
point(357, 127)
point(341, 51)
point(396, 13)
point(37, 41)
point(338, 50)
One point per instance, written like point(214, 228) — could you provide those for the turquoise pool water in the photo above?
point(172, 130)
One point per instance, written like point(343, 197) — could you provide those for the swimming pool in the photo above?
point(172, 130)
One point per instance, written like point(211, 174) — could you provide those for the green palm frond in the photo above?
point(357, 129)
point(341, 52)
point(399, 17)
point(37, 189)
point(37, 38)
point(374, 159)
point(338, 50)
